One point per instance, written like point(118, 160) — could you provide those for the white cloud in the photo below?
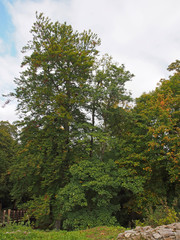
point(10, 67)
point(7, 112)
point(141, 34)
point(9, 70)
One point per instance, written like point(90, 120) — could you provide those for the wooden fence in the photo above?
point(7, 216)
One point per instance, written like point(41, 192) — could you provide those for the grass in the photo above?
point(103, 233)
point(27, 233)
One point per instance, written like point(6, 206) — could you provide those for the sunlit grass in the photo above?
point(25, 233)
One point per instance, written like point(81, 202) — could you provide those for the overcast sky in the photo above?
point(142, 34)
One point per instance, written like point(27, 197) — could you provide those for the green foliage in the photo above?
point(38, 209)
point(151, 146)
point(8, 146)
point(91, 197)
point(109, 99)
point(85, 218)
point(86, 200)
point(161, 215)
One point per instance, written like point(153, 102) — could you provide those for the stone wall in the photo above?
point(165, 232)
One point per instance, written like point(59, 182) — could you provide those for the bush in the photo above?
point(38, 211)
point(161, 215)
point(84, 219)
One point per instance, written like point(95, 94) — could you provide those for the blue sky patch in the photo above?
point(6, 31)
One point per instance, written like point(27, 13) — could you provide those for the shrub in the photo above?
point(160, 215)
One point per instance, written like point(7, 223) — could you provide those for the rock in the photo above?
point(170, 238)
point(177, 234)
point(127, 235)
point(164, 232)
point(156, 235)
point(177, 226)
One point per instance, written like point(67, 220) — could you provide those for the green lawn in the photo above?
point(25, 233)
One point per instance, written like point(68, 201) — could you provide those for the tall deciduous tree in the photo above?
point(51, 93)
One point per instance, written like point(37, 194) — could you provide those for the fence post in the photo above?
point(4, 217)
point(9, 215)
